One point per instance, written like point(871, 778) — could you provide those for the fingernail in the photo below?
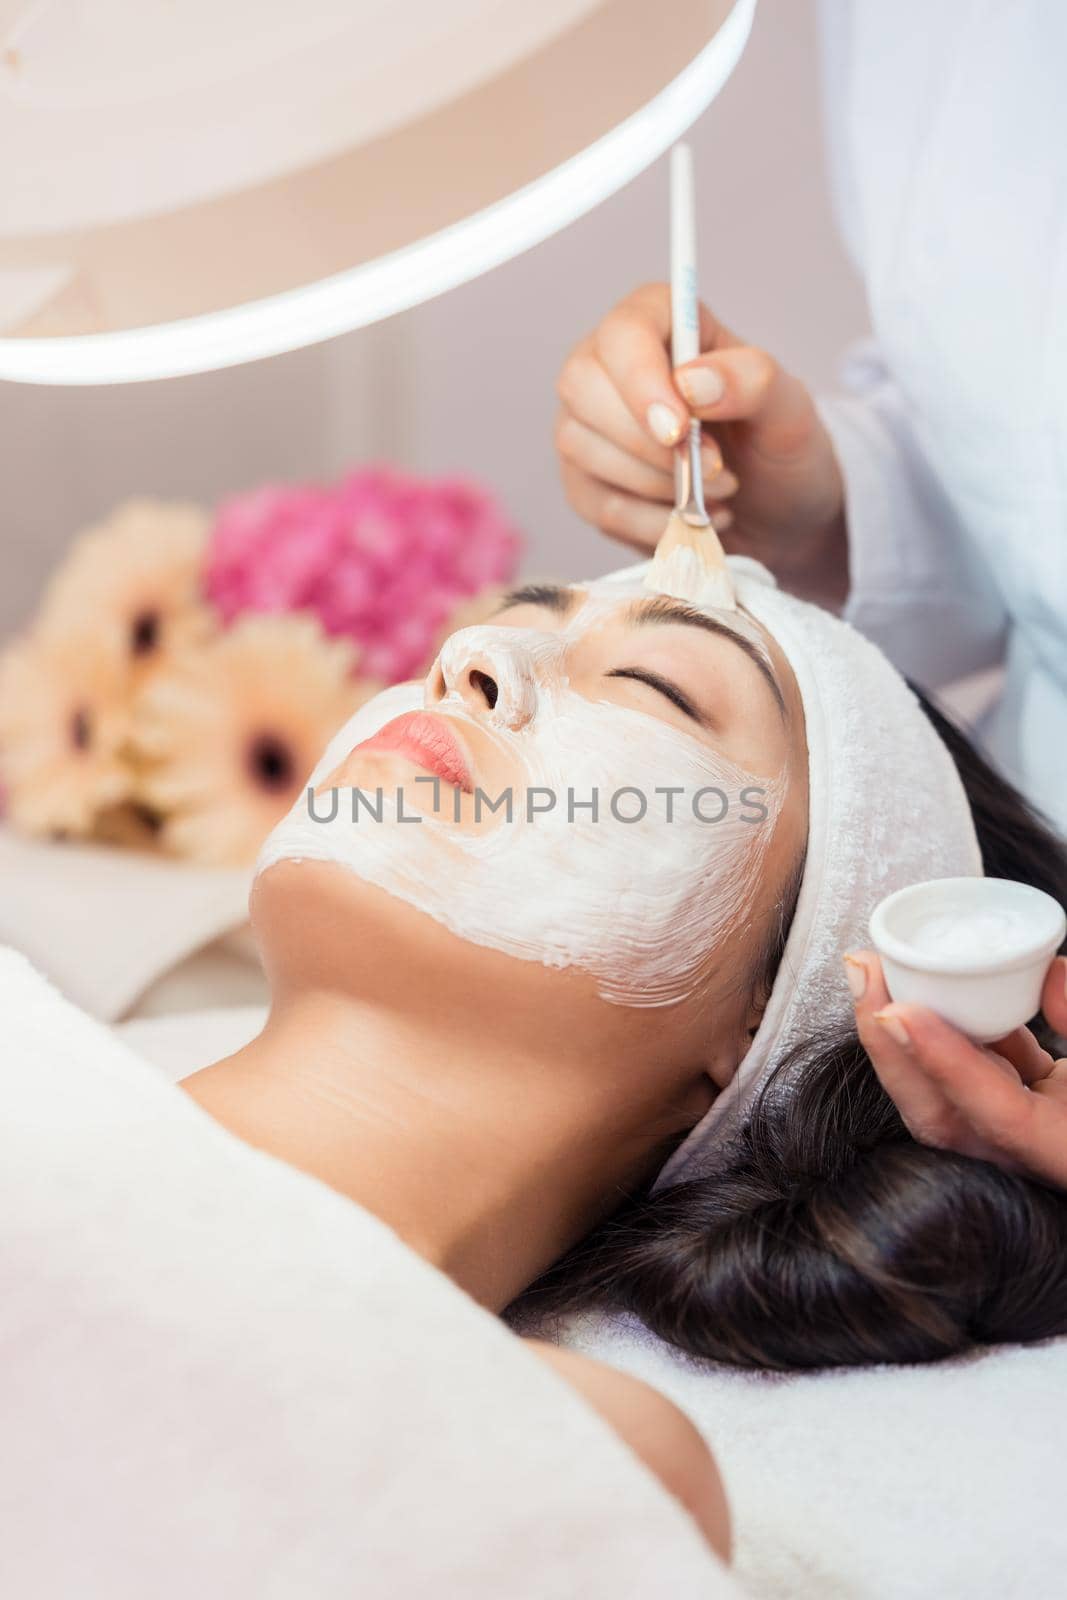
point(894, 1026)
point(665, 424)
point(719, 484)
point(711, 458)
point(856, 973)
point(721, 520)
point(702, 386)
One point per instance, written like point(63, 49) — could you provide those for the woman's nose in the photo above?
point(477, 688)
point(489, 671)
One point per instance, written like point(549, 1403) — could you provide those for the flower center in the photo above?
point(144, 633)
point(271, 763)
point(81, 729)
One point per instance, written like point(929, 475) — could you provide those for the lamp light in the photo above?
point(190, 187)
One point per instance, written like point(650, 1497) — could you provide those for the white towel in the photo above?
point(219, 1377)
point(886, 808)
point(885, 1483)
point(106, 924)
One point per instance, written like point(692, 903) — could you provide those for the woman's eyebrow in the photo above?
point(664, 610)
point(554, 596)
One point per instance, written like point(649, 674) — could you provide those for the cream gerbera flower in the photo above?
point(135, 576)
point(129, 826)
point(226, 735)
point(64, 720)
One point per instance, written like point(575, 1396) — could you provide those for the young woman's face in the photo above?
point(601, 785)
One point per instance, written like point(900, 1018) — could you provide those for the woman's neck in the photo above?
point(489, 1169)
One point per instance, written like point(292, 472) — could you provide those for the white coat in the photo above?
point(947, 131)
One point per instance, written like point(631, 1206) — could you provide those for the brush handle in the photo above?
point(685, 317)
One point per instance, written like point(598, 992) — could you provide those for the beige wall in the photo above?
point(466, 382)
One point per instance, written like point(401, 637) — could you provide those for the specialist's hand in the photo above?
point(767, 455)
point(1005, 1102)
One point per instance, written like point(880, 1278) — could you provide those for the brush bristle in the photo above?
point(690, 564)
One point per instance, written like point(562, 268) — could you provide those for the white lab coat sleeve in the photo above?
point(919, 587)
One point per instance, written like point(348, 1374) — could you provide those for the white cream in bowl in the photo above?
point(975, 950)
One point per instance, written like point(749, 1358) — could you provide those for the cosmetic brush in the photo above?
point(689, 562)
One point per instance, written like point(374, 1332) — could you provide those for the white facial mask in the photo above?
point(639, 904)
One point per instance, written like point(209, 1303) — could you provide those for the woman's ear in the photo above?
point(723, 1066)
point(733, 1046)
point(754, 1011)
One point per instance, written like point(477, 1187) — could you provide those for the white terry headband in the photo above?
point(886, 809)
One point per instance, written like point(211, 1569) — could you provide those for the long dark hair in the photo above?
point(827, 1236)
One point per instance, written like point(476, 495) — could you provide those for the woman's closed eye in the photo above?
point(663, 686)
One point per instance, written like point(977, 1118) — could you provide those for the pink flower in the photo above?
point(381, 558)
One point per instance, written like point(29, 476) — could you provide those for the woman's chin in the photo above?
point(319, 923)
point(319, 926)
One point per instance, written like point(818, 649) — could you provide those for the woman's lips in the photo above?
point(426, 740)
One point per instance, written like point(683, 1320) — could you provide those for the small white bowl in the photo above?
point(985, 995)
